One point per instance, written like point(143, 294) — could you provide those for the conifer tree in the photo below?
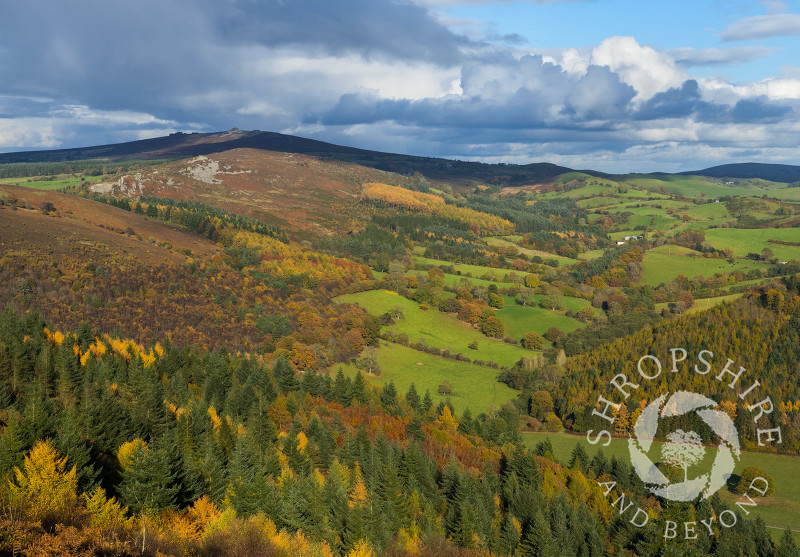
point(360, 389)
point(412, 397)
point(787, 547)
point(12, 445)
point(149, 480)
point(284, 375)
point(248, 490)
point(77, 450)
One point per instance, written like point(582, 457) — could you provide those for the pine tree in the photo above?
point(284, 375)
point(77, 450)
point(12, 445)
point(412, 397)
point(536, 539)
point(579, 459)
point(38, 417)
point(427, 401)
point(787, 547)
point(360, 389)
point(149, 480)
point(248, 490)
point(214, 471)
point(342, 389)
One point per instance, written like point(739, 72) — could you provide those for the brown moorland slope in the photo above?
point(96, 228)
point(294, 192)
point(88, 262)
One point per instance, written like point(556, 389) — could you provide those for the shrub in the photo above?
point(748, 476)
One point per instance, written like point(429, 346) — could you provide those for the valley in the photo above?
point(347, 348)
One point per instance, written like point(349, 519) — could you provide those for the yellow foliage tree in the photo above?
point(126, 451)
point(362, 549)
point(106, 514)
point(44, 483)
point(358, 495)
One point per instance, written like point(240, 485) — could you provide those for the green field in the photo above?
point(474, 387)
point(519, 320)
point(692, 186)
point(464, 268)
point(435, 328)
point(704, 303)
point(779, 510)
point(62, 181)
point(664, 263)
point(742, 242)
point(507, 241)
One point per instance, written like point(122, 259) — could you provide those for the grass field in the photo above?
point(742, 242)
point(474, 387)
point(509, 241)
point(436, 329)
point(779, 510)
point(664, 263)
point(464, 268)
point(519, 320)
point(704, 303)
point(692, 186)
point(62, 181)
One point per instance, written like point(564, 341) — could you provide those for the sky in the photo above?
point(611, 85)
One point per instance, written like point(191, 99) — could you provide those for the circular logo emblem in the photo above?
point(684, 449)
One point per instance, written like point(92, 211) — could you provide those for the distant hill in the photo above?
point(181, 145)
point(773, 172)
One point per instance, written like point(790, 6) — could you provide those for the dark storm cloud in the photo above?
point(759, 110)
point(143, 55)
point(686, 102)
point(383, 74)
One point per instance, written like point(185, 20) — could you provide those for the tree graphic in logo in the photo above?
point(684, 449)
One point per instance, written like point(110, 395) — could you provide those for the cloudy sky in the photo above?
point(614, 85)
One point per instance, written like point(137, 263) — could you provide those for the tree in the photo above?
point(552, 302)
point(684, 449)
point(496, 300)
point(492, 327)
point(586, 314)
point(532, 341)
point(149, 481)
point(748, 476)
point(553, 334)
point(45, 484)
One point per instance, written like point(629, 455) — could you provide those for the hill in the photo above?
point(181, 145)
point(786, 173)
point(297, 192)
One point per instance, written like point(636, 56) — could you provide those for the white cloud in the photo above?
point(645, 69)
point(774, 6)
point(28, 132)
point(762, 27)
point(691, 57)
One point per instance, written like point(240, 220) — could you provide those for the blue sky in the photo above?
point(614, 85)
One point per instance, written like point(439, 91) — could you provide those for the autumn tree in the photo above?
point(45, 484)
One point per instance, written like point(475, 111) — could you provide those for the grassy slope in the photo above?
point(464, 268)
point(474, 387)
point(704, 303)
point(435, 328)
point(742, 242)
point(506, 242)
point(664, 263)
point(519, 320)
